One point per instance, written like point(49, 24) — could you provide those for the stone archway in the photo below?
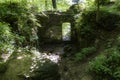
point(51, 30)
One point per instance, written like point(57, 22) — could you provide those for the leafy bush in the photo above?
point(6, 38)
point(106, 67)
point(5, 32)
point(103, 2)
point(107, 21)
point(11, 11)
point(118, 5)
point(87, 28)
point(21, 19)
point(74, 9)
point(84, 53)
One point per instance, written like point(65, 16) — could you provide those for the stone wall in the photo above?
point(51, 22)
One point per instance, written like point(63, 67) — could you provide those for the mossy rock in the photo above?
point(3, 67)
point(46, 71)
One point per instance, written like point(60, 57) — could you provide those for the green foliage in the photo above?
point(85, 52)
point(74, 9)
point(5, 32)
point(106, 66)
point(46, 71)
point(62, 5)
point(89, 4)
point(117, 5)
point(103, 2)
point(87, 28)
point(6, 38)
point(107, 21)
point(21, 18)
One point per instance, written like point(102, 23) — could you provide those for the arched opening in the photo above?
point(66, 31)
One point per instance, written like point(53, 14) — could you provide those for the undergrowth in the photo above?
point(107, 66)
point(21, 20)
point(84, 53)
point(88, 29)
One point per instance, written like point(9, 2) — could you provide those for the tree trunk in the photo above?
point(46, 5)
point(98, 10)
point(54, 4)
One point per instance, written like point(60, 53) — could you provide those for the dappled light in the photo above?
point(59, 39)
point(54, 57)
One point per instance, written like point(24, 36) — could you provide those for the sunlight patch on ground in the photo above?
point(54, 57)
point(40, 57)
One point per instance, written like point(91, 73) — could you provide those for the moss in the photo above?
point(46, 71)
point(3, 67)
point(16, 68)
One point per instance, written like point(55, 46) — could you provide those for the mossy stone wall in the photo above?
point(51, 22)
